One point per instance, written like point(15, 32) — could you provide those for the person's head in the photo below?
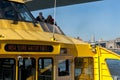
point(49, 16)
point(40, 13)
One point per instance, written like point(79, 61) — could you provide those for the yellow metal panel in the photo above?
point(3, 23)
point(97, 78)
point(24, 26)
point(106, 78)
point(108, 54)
point(63, 39)
point(44, 35)
point(6, 24)
point(0, 45)
point(20, 1)
point(103, 55)
point(84, 50)
point(9, 34)
point(27, 31)
point(25, 35)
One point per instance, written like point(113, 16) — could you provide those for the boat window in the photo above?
point(114, 68)
point(23, 12)
point(45, 71)
point(49, 28)
point(7, 69)
point(83, 66)
point(14, 11)
point(7, 11)
point(26, 69)
point(64, 67)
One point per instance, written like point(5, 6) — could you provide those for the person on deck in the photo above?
point(49, 20)
point(40, 18)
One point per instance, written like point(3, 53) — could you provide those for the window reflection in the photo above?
point(23, 12)
point(84, 68)
point(26, 68)
point(7, 69)
point(64, 67)
point(7, 10)
point(45, 70)
point(14, 11)
point(114, 67)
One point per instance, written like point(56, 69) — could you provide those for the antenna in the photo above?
point(54, 19)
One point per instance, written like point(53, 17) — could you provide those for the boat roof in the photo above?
point(44, 4)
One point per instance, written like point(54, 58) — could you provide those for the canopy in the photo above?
point(44, 4)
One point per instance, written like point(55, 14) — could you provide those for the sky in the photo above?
point(100, 19)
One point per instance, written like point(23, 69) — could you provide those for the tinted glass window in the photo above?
point(45, 70)
point(14, 11)
point(7, 11)
point(26, 69)
point(64, 68)
point(7, 69)
point(23, 12)
point(84, 66)
point(114, 67)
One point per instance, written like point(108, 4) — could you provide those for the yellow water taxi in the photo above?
point(30, 51)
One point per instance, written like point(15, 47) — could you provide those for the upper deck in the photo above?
point(17, 23)
point(15, 16)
